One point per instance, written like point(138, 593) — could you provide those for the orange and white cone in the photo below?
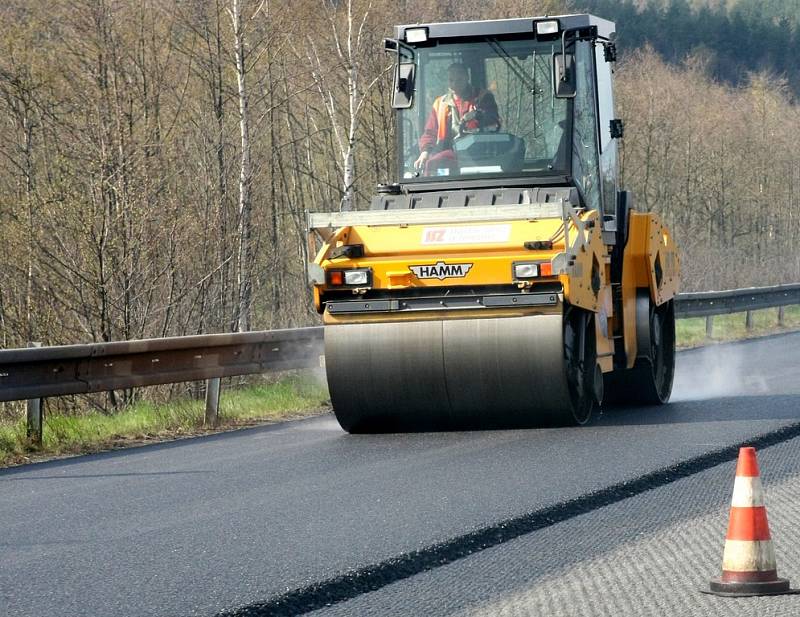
point(748, 562)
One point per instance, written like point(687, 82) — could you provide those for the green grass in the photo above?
point(92, 431)
point(692, 332)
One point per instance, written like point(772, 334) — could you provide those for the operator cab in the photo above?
point(551, 81)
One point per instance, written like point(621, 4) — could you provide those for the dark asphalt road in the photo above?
point(645, 556)
point(198, 526)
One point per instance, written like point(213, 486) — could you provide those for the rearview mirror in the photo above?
point(404, 72)
point(564, 75)
point(403, 86)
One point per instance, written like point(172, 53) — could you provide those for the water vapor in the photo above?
point(719, 371)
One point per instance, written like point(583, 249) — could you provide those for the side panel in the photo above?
point(585, 273)
point(651, 262)
point(587, 283)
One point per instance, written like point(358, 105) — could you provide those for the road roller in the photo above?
point(503, 277)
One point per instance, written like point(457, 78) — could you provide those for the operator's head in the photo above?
point(458, 78)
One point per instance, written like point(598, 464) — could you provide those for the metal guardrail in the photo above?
point(39, 372)
point(709, 303)
point(99, 367)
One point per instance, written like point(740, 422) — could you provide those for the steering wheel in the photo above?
point(492, 128)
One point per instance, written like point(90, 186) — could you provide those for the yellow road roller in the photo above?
point(504, 279)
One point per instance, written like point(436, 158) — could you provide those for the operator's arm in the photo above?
point(490, 116)
point(427, 140)
point(483, 114)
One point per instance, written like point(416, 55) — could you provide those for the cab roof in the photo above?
point(499, 27)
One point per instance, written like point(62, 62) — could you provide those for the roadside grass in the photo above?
point(692, 332)
point(288, 397)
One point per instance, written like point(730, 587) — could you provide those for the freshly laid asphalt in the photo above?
point(650, 555)
point(228, 523)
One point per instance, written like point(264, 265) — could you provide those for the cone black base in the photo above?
point(777, 587)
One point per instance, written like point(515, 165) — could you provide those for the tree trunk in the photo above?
point(245, 230)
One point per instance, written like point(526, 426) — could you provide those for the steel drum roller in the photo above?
point(444, 374)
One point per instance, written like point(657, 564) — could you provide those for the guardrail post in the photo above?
point(35, 428)
point(748, 321)
point(781, 316)
point(709, 326)
point(212, 401)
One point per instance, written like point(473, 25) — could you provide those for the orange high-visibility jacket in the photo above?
point(444, 121)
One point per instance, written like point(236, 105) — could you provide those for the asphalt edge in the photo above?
point(164, 443)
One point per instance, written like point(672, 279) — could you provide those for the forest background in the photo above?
point(157, 157)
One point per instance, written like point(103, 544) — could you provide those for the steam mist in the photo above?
point(746, 369)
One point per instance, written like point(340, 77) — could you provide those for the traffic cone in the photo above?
point(748, 562)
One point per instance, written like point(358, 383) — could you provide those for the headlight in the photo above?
point(531, 269)
point(526, 270)
point(356, 277)
point(416, 35)
point(546, 27)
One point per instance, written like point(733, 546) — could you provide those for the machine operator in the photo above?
point(462, 109)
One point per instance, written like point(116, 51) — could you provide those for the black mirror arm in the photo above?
point(398, 47)
point(564, 40)
point(564, 49)
point(591, 36)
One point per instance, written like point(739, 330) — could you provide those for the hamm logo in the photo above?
point(441, 270)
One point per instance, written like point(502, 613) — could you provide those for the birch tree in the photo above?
point(350, 43)
point(245, 228)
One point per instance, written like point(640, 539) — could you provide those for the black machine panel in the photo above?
point(477, 197)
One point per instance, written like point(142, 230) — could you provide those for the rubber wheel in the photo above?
point(649, 382)
point(581, 368)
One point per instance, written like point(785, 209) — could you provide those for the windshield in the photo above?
point(484, 110)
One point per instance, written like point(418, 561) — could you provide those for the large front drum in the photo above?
point(448, 374)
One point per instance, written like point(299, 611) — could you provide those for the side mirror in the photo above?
point(564, 75)
point(404, 85)
point(403, 96)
